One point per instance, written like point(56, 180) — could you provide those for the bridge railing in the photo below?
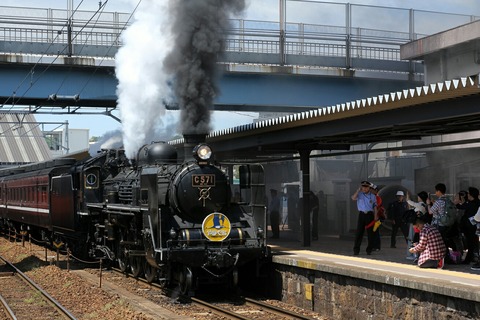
point(22, 29)
point(343, 44)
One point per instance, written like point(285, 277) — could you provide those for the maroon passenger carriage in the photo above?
point(175, 223)
point(27, 197)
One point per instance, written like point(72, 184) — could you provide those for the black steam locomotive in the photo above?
point(177, 223)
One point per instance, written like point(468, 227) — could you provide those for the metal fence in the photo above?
point(351, 31)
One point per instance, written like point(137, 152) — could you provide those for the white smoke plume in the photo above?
point(110, 140)
point(198, 28)
point(170, 42)
point(143, 89)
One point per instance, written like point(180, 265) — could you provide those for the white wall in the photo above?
point(77, 141)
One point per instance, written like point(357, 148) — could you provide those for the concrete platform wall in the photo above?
point(337, 296)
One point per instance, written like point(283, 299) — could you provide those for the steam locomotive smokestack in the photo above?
point(198, 28)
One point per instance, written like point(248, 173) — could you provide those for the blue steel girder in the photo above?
point(65, 88)
point(89, 89)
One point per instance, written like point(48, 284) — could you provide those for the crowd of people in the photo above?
point(436, 229)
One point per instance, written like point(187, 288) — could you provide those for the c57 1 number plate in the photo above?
point(203, 180)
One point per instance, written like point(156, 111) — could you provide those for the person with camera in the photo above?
point(444, 219)
point(431, 246)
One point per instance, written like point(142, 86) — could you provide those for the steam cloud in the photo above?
point(159, 53)
point(110, 140)
point(198, 28)
point(142, 83)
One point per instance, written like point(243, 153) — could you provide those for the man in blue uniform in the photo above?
point(367, 206)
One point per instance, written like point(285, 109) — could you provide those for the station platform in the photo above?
point(334, 254)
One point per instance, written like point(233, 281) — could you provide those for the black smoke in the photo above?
point(198, 28)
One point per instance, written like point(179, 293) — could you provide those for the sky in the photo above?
point(297, 11)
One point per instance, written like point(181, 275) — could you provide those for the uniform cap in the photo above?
point(366, 184)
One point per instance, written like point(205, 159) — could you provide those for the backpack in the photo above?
point(448, 217)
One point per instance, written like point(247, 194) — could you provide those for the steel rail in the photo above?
point(8, 311)
point(219, 310)
point(50, 299)
point(275, 309)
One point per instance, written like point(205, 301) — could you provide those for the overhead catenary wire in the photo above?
point(109, 48)
point(101, 7)
point(14, 93)
point(31, 72)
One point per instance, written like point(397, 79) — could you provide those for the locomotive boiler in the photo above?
point(172, 221)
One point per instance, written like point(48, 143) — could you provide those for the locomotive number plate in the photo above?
point(203, 180)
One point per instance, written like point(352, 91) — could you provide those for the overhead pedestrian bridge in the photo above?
point(64, 59)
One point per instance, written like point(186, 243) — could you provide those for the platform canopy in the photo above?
point(21, 140)
point(447, 107)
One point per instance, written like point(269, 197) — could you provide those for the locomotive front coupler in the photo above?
point(220, 259)
point(221, 264)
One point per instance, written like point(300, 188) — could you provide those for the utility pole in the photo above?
point(69, 26)
point(283, 23)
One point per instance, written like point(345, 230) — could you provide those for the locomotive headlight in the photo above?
point(202, 152)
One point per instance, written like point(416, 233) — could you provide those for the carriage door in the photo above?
point(62, 206)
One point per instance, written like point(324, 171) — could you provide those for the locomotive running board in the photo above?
point(117, 209)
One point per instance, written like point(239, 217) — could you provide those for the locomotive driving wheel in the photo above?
point(122, 256)
point(122, 260)
point(135, 266)
point(150, 272)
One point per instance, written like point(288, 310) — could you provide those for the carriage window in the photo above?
point(43, 194)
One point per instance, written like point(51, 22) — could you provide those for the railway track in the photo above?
point(241, 308)
point(171, 301)
point(248, 309)
point(233, 307)
point(23, 299)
